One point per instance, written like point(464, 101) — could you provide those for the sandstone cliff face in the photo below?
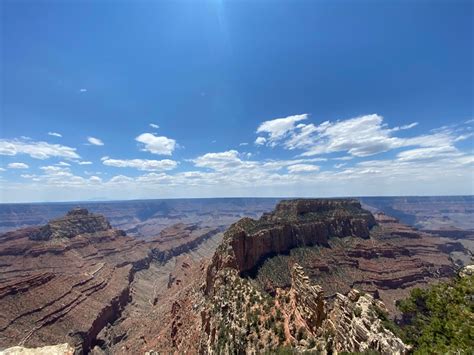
point(293, 224)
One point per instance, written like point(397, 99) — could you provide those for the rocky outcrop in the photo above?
point(238, 318)
point(61, 349)
point(354, 325)
point(466, 271)
point(77, 221)
point(309, 298)
point(294, 223)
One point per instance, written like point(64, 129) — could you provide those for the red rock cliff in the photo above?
point(294, 223)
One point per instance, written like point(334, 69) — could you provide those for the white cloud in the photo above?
point(120, 179)
point(243, 144)
point(62, 163)
point(82, 90)
point(156, 144)
point(153, 125)
point(142, 164)
point(423, 164)
point(302, 168)
point(94, 141)
point(84, 163)
point(219, 161)
point(54, 134)
point(52, 169)
point(37, 150)
point(278, 128)
point(2, 169)
point(348, 157)
point(60, 178)
point(260, 141)
point(17, 166)
point(95, 179)
point(359, 136)
point(428, 153)
point(230, 174)
point(404, 127)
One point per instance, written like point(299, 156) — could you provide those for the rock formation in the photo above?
point(309, 298)
point(66, 281)
point(341, 248)
point(354, 325)
point(61, 349)
point(77, 221)
point(293, 224)
point(287, 279)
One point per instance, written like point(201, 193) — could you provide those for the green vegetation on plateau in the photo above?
point(440, 319)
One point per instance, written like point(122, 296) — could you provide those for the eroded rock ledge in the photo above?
point(294, 223)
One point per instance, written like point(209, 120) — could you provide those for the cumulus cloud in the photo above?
point(84, 162)
point(156, 144)
point(278, 128)
point(153, 125)
point(121, 179)
point(219, 161)
point(37, 150)
point(18, 166)
point(360, 136)
point(260, 141)
point(95, 179)
point(54, 134)
point(302, 168)
point(142, 164)
point(232, 165)
point(94, 141)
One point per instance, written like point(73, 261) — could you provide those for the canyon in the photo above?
point(65, 281)
point(313, 274)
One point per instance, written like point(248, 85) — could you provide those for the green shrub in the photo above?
point(440, 319)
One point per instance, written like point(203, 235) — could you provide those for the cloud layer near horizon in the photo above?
point(356, 156)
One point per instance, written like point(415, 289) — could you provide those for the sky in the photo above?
point(113, 100)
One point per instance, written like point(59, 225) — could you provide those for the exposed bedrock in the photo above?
point(77, 221)
point(294, 223)
point(73, 277)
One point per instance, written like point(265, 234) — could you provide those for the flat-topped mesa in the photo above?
point(294, 223)
point(77, 221)
point(291, 210)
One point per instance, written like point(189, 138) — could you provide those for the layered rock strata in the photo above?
point(309, 298)
point(77, 221)
point(293, 224)
point(353, 325)
point(73, 280)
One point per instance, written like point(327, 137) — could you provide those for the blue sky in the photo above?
point(153, 99)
